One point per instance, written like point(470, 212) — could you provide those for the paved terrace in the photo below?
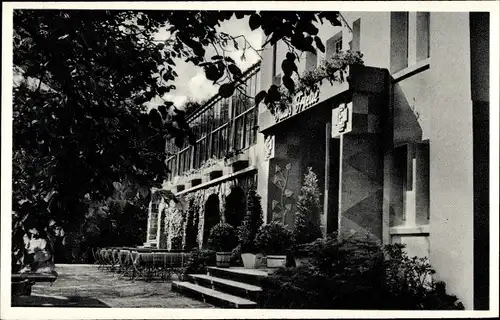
point(85, 286)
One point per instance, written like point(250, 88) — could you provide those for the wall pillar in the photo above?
point(361, 165)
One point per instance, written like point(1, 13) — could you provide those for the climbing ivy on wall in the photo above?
point(282, 205)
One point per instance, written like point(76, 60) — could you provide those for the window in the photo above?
point(410, 186)
point(399, 41)
point(334, 45)
point(275, 60)
point(225, 124)
point(356, 33)
point(423, 39)
point(410, 39)
point(153, 221)
point(311, 61)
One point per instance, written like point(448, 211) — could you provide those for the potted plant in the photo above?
point(248, 230)
point(274, 240)
point(222, 239)
point(306, 224)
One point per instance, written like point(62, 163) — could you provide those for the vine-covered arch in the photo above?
point(211, 217)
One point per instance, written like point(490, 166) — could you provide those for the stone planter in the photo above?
point(238, 162)
point(223, 259)
point(213, 172)
point(193, 180)
point(251, 261)
point(276, 261)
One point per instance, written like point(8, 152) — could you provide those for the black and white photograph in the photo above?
point(293, 159)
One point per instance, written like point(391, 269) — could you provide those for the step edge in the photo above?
point(182, 284)
point(232, 283)
point(229, 270)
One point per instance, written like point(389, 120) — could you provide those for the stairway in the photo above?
point(224, 287)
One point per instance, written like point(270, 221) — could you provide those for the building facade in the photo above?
point(400, 146)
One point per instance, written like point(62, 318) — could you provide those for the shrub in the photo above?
point(251, 223)
point(307, 224)
point(177, 242)
point(273, 238)
point(354, 273)
point(410, 285)
point(222, 238)
point(199, 260)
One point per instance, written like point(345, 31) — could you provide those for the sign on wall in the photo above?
point(341, 119)
point(301, 102)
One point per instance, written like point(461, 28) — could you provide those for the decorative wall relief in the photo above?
point(269, 144)
point(341, 120)
point(282, 205)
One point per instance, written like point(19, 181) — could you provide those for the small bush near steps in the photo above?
point(222, 238)
point(273, 239)
point(306, 223)
point(199, 260)
point(357, 273)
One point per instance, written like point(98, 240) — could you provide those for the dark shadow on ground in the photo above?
point(51, 301)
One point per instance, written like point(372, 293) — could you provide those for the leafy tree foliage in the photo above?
point(307, 225)
point(79, 118)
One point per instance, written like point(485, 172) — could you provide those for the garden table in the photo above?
point(150, 264)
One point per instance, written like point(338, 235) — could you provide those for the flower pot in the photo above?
point(21, 288)
point(302, 260)
point(223, 259)
point(275, 261)
point(251, 261)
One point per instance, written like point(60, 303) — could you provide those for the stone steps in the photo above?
point(250, 276)
point(225, 287)
point(212, 296)
point(240, 289)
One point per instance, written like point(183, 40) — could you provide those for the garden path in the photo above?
point(85, 286)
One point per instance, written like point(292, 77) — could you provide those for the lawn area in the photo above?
point(85, 286)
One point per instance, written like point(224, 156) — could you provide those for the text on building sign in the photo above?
point(300, 102)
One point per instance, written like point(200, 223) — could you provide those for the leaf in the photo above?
point(226, 90)
point(288, 66)
point(288, 193)
point(273, 93)
point(235, 70)
point(63, 37)
point(254, 21)
point(278, 168)
point(274, 204)
point(288, 166)
point(211, 72)
point(217, 57)
point(319, 44)
point(162, 90)
point(310, 28)
point(275, 179)
point(259, 97)
point(289, 84)
point(229, 59)
point(288, 207)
